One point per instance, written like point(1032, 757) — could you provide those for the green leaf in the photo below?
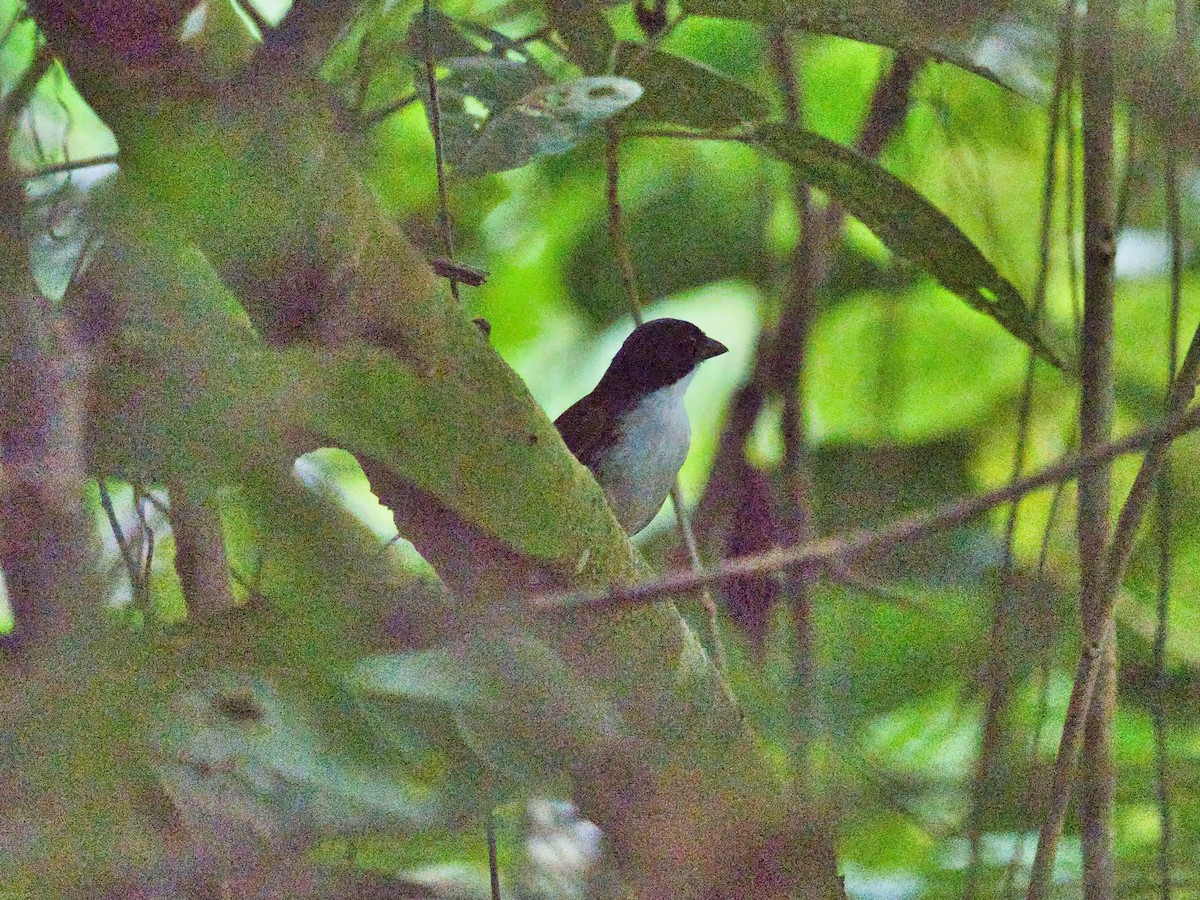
point(964, 35)
point(584, 29)
point(546, 122)
point(435, 32)
point(686, 92)
point(518, 705)
point(498, 113)
point(909, 224)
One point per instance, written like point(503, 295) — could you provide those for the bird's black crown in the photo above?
point(657, 354)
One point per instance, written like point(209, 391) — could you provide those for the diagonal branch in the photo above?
point(1119, 553)
point(844, 548)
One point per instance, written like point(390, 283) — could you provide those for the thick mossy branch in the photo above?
point(396, 373)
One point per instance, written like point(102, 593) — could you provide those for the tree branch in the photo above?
point(1097, 777)
point(1117, 561)
point(200, 558)
point(844, 548)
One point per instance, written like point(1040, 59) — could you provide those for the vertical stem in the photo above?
point(435, 124)
point(999, 670)
point(493, 863)
point(805, 270)
point(1097, 777)
point(44, 538)
point(1184, 32)
point(43, 534)
point(201, 560)
point(1158, 691)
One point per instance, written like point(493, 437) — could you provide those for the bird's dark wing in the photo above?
point(585, 429)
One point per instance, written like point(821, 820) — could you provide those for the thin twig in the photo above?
point(1072, 205)
point(139, 504)
point(109, 159)
point(435, 119)
point(806, 270)
point(1159, 689)
point(883, 594)
point(1035, 741)
point(1031, 788)
point(1133, 147)
point(493, 863)
point(616, 224)
point(683, 134)
point(1184, 28)
point(375, 116)
point(131, 565)
point(620, 247)
point(842, 549)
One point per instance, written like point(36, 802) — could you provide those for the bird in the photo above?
point(632, 431)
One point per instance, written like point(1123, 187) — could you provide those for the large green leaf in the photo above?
point(983, 38)
point(236, 757)
point(1014, 51)
point(522, 709)
point(685, 92)
point(908, 223)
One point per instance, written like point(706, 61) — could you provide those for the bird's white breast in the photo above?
point(640, 469)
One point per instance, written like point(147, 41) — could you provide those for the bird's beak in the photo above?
point(712, 348)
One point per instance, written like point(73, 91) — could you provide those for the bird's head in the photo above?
point(660, 353)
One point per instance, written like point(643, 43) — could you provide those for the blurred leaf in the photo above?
point(497, 113)
point(909, 366)
point(548, 121)
point(536, 720)
point(690, 222)
point(969, 35)
point(493, 81)
point(938, 645)
point(584, 29)
point(685, 92)
point(437, 34)
point(1163, 81)
point(909, 224)
point(238, 760)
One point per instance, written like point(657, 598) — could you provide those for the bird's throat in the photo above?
point(653, 438)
